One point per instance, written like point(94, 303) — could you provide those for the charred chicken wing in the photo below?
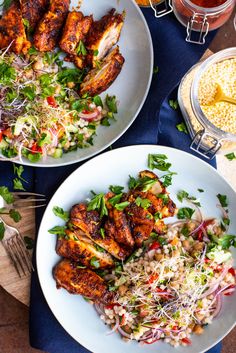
point(81, 281)
point(49, 27)
point(103, 35)
point(76, 246)
point(90, 224)
point(33, 10)
point(100, 78)
point(12, 30)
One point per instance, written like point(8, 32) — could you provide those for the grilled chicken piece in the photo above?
point(117, 226)
point(76, 27)
point(103, 35)
point(90, 223)
point(140, 220)
point(12, 30)
point(48, 29)
point(81, 281)
point(33, 10)
point(99, 79)
point(76, 246)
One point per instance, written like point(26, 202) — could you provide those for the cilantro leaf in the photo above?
point(6, 195)
point(98, 101)
point(121, 206)
point(81, 49)
point(111, 103)
point(158, 161)
point(102, 232)
point(230, 156)
point(181, 195)
point(98, 203)
point(115, 199)
point(164, 197)
point(94, 262)
point(167, 179)
point(227, 241)
point(157, 216)
point(59, 230)
point(223, 200)
point(185, 213)
point(144, 203)
point(29, 242)
point(15, 215)
point(182, 128)
point(17, 184)
point(59, 212)
point(19, 171)
point(116, 189)
point(174, 104)
point(155, 70)
point(200, 190)
point(2, 230)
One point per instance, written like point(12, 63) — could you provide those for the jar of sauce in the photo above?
point(202, 16)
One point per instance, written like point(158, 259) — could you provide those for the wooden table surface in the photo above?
point(14, 315)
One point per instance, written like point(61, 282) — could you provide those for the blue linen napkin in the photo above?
point(174, 57)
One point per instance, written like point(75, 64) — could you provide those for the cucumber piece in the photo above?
point(20, 123)
point(58, 153)
point(3, 144)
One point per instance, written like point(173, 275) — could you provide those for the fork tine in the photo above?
point(12, 257)
point(26, 253)
point(28, 200)
point(28, 207)
point(27, 194)
point(19, 260)
point(23, 251)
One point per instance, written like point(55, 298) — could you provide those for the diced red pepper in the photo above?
point(36, 149)
point(199, 234)
point(111, 306)
point(232, 271)
point(52, 101)
point(123, 320)
point(154, 246)
point(153, 278)
point(186, 340)
point(7, 133)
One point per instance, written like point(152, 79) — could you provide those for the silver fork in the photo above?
point(16, 250)
point(22, 200)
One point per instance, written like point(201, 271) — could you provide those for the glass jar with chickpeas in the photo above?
point(210, 117)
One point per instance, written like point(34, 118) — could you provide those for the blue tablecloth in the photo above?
point(174, 57)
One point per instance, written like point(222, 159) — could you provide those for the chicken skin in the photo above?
point(103, 35)
point(12, 30)
point(101, 78)
point(76, 27)
point(90, 224)
point(33, 10)
point(49, 27)
point(81, 281)
point(77, 247)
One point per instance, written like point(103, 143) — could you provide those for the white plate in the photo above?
point(132, 85)
point(79, 318)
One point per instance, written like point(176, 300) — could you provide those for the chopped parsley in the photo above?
point(182, 194)
point(121, 206)
point(102, 232)
point(230, 156)
point(81, 49)
point(58, 230)
point(223, 200)
point(2, 230)
point(158, 161)
point(116, 189)
point(185, 213)
point(94, 262)
point(115, 199)
point(29, 242)
point(111, 103)
point(144, 203)
point(155, 70)
point(174, 104)
point(98, 203)
point(17, 184)
point(182, 128)
point(59, 212)
point(15, 215)
point(6, 195)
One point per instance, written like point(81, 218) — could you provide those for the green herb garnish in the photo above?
point(144, 203)
point(58, 230)
point(116, 189)
point(59, 212)
point(158, 161)
point(15, 215)
point(121, 206)
point(174, 104)
point(185, 213)
point(94, 262)
point(223, 200)
point(2, 230)
point(98, 203)
point(182, 128)
point(6, 195)
point(230, 156)
point(29, 242)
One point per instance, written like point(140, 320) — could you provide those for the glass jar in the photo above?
point(207, 137)
point(201, 19)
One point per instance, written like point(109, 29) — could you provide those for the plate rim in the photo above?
point(204, 163)
point(25, 162)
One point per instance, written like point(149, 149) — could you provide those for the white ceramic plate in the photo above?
point(132, 85)
point(78, 317)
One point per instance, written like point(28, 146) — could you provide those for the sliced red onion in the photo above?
point(117, 324)
point(94, 115)
point(99, 308)
point(225, 215)
point(215, 285)
point(197, 229)
point(123, 333)
point(218, 305)
point(228, 291)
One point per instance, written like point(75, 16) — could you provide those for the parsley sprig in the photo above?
point(98, 203)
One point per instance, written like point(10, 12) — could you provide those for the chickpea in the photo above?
point(198, 246)
point(191, 326)
point(217, 230)
point(70, 84)
point(158, 257)
point(29, 73)
point(199, 316)
point(186, 244)
point(122, 289)
point(198, 329)
point(38, 65)
point(175, 253)
point(57, 89)
point(191, 226)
